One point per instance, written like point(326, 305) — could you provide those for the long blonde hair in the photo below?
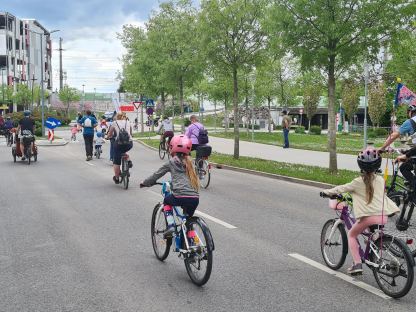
point(368, 178)
point(190, 171)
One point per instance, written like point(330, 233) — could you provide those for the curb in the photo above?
point(49, 144)
point(261, 174)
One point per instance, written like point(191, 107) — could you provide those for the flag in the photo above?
point(404, 96)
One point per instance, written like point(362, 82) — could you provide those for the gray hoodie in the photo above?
point(181, 185)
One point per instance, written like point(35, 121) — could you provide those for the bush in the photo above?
point(278, 127)
point(300, 130)
point(231, 125)
point(256, 127)
point(315, 130)
point(381, 132)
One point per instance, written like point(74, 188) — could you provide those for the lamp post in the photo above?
point(41, 75)
point(2, 82)
point(365, 102)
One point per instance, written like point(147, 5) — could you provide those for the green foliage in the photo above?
point(377, 105)
point(315, 130)
point(350, 97)
point(300, 130)
point(68, 95)
point(23, 96)
point(377, 132)
point(401, 114)
point(310, 101)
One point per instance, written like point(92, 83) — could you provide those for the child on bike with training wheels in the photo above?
point(99, 141)
point(371, 206)
point(185, 183)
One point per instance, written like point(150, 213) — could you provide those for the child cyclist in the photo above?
point(99, 141)
point(185, 183)
point(74, 131)
point(371, 205)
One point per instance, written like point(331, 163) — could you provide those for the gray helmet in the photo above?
point(369, 160)
point(26, 113)
point(411, 108)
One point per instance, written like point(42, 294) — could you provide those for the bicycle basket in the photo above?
point(334, 204)
point(203, 151)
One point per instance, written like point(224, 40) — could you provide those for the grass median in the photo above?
point(312, 173)
point(346, 143)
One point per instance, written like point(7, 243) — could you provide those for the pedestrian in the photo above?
point(109, 123)
point(371, 205)
point(88, 122)
point(286, 123)
point(121, 131)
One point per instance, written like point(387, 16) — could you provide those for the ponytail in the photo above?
point(190, 172)
point(368, 178)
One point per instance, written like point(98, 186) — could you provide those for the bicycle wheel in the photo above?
point(199, 262)
point(162, 151)
point(204, 173)
point(395, 273)
point(14, 154)
point(125, 173)
point(410, 233)
point(161, 245)
point(334, 250)
point(28, 155)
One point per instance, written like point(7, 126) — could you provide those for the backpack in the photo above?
point(88, 122)
point(202, 136)
point(123, 137)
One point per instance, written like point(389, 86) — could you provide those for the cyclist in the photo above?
point(26, 128)
point(122, 143)
point(371, 204)
point(407, 128)
point(103, 124)
point(88, 122)
point(8, 126)
point(185, 183)
point(98, 142)
point(167, 128)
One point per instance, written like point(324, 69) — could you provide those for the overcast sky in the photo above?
point(88, 28)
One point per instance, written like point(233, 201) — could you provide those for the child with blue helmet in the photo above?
point(99, 141)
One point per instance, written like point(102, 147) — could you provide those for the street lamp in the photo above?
point(2, 82)
point(365, 102)
point(41, 75)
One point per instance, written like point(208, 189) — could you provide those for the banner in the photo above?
point(404, 96)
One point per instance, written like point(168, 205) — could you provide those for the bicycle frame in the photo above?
point(348, 220)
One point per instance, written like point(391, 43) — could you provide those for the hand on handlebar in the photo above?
point(337, 196)
point(401, 158)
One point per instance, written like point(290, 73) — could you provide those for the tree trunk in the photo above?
point(225, 112)
point(215, 116)
point(270, 115)
point(248, 120)
point(236, 115)
point(162, 100)
point(181, 103)
point(309, 127)
point(332, 144)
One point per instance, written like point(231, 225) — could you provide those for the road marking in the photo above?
point(206, 216)
point(224, 224)
point(90, 164)
point(340, 275)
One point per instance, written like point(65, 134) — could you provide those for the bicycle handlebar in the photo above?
point(337, 196)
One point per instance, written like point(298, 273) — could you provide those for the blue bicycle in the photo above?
point(192, 240)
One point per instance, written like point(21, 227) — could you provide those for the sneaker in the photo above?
point(116, 180)
point(130, 164)
point(23, 158)
point(169, 232)
point(356, 269)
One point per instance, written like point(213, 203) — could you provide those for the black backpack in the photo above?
point(202, 136)
point(123, 137)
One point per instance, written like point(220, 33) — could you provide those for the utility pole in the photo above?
point(83, 98)
point(2, 82)
point(365, 102)
point(33, 82)
point(61, 75)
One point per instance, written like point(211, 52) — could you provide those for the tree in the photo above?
point(332, 35)
point(310, 101)
point(377, 105)
point(233, 36)
point(68, 95)
point(350, 98)
point(23, 96)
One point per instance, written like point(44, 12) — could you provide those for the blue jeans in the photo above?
point(286, 136)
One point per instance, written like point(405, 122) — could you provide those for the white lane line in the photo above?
point(223, 223)
point(342, 276)
point(206, 216)
point(90, 164)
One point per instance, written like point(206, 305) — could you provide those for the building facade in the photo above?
point(25, 51)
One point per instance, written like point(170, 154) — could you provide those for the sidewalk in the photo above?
point(277, 153)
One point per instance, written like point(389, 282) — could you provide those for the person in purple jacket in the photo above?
point(193, 131)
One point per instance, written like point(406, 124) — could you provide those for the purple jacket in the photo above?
point(193, 132)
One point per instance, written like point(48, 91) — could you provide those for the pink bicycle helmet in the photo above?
point(369, 160)
point(180, 144)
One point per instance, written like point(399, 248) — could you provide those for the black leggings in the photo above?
point(188, 204)
point(406, 170)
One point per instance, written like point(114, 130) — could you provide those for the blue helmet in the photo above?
point(99, 134)
point(26, 113)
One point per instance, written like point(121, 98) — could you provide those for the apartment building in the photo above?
point(21, 42)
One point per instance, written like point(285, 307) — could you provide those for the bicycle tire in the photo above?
point(204, 173)
point(394, 268)
point(410, 232)
point(162, 151)
point(14, 154)
point(28, 155)
point(339, 239)
point(157, 233)
point(202, 254)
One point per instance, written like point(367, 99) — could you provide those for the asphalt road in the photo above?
point(72, 240)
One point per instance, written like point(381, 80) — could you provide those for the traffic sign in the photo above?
point(149, 111)
point(150, 103)
point(137, 104)
point(127, 108)
point(52, 123)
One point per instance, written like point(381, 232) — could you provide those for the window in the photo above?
point(3, 61)
point(2, 22)
point(10, 24)
point(17, 44)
